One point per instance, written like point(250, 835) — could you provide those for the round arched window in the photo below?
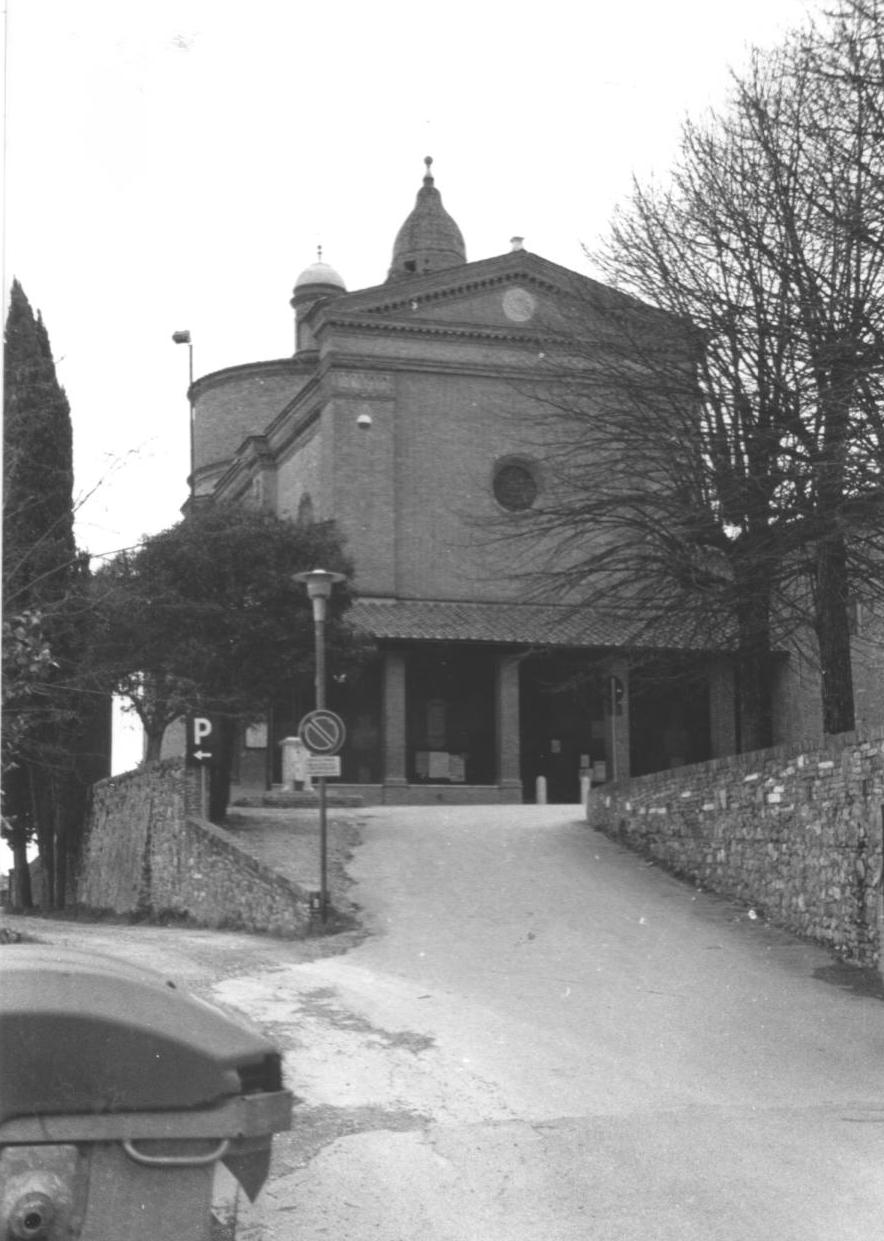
point(515, 485)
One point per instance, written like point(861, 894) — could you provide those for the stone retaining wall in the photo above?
point(796, 833)
point(148, 853)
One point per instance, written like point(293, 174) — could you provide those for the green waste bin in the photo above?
point(119, 1095)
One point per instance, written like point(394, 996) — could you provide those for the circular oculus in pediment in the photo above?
point(514, 483)
point(519, 305)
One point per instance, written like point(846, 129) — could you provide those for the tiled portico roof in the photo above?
point(524, 624)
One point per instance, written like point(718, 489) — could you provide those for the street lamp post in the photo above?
point(183, 338)
point(319, 583)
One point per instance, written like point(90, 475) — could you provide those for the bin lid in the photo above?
point(82, 1033)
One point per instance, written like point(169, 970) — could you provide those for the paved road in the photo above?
point(545, 1039)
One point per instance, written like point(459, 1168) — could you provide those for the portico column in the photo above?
point(617, 720)
point(394, 718)
point(506, 714)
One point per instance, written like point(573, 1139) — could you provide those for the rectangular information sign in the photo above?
point(323, 765)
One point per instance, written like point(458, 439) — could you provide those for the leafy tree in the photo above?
point(718, 465)
point(51, 751)
point(205, 617)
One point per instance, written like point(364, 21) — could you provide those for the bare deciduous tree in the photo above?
point(715, 426)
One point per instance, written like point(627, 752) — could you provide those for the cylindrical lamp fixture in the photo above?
point(319, 583)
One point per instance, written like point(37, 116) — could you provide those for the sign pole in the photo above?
point(323, 850)
point(319, 626)
point(323, 733)
point(614, 729)
point(200, 752)
point(319, 584)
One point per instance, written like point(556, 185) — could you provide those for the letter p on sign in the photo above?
point(200, 747)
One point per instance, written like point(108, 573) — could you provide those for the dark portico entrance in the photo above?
point(450, 716)
point(562, 726)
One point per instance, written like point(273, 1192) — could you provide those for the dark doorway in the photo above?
point(562, 726)
point(450, 716)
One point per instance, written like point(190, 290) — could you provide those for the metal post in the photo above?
point(192, 421)
point(319, 630)
point(319, 583)
point(881, 902)
point(184, 338)
point(613, 691)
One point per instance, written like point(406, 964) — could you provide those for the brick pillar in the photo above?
point(722, 709)
point(506, 715)
point(394, 718)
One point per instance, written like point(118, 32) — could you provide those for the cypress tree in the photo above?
point(44, 613)
point(38, 475)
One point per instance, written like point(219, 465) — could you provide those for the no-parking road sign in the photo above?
point(322, 732)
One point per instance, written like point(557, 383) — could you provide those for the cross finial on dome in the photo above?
point(428, 175)
point(319, 254)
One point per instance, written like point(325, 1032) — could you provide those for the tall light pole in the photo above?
point(183, 338)
point(319, 583)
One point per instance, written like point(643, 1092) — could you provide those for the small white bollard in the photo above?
point(584, 790)
point(540, 791)
point(294, 764)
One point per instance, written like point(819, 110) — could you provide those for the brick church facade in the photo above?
point(401, 416)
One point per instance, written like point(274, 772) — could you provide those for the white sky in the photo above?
point(174, 164)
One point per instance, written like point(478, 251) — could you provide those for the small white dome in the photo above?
point(320, 273)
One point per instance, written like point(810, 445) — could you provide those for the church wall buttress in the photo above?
point(298, 478)
point(359, 474)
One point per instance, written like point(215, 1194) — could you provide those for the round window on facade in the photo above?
point(515, 485)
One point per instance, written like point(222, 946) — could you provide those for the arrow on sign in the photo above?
point(201, 732)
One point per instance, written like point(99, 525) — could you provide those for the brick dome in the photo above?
point(429, 240)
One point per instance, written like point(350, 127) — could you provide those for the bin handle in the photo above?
point(176, 1161)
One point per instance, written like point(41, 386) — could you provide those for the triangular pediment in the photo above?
point(518, 291)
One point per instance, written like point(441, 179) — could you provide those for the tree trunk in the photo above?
point(833, 635)
point(21, 895)
point(61, 874)
point(754, 702)
point(153, 746)
point(68, 828)
point(42, 791)
point(69, 843)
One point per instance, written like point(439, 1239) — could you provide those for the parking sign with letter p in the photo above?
point(200, 739)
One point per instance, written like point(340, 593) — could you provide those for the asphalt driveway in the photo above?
point(538, 1035)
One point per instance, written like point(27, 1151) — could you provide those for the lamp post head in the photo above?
point(319, 583)
point(181, 338)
